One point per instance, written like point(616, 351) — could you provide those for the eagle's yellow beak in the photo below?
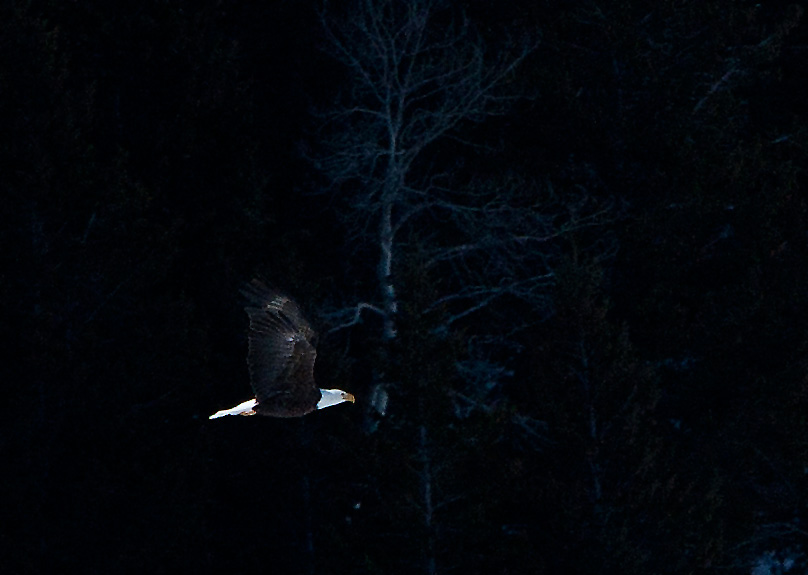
point(348, 397)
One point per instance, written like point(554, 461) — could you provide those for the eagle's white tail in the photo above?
point(245, 408)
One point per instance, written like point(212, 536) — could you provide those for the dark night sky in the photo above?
point(629, 396)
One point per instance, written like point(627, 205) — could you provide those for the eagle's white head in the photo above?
point(333, 397)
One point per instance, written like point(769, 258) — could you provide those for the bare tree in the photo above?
point(417, 73)
point(414, 79)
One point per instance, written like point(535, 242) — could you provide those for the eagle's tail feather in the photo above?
point(245, 408)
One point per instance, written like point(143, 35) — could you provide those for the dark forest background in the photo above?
point(600, 355)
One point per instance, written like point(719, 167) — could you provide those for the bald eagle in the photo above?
point(281, 359)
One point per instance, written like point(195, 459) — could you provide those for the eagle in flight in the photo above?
point(281, 359)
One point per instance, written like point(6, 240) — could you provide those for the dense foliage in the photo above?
point(641, 409)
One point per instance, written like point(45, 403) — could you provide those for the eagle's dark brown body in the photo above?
point(281, 354)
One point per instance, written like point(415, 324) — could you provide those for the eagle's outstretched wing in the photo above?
point(281, 353)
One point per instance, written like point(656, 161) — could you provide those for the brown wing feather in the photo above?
point(281, 354)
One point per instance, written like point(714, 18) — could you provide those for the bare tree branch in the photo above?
point(412, 82)
point(354, 313)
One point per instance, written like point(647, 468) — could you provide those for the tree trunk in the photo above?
point(430, 562)
point(385, 272)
